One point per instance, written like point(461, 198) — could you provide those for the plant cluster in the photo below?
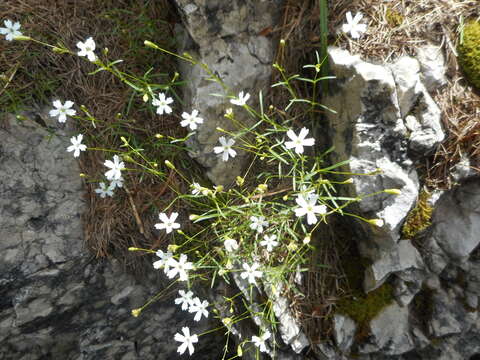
point(255, 233)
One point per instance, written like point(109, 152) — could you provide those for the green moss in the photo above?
point(469, 52)
point(394, 18)
point(419, 217)
point(362, 308)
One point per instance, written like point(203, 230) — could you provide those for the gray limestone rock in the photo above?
point(402, 256)
point(56, 302)
point(344, 330)
point(432, 64)
point(390, 332)
point(225, 36)
point(456, 220)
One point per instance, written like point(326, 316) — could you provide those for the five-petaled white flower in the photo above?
point(10, 30)
point(258, 223)
point(185, 299)
point(179, 267)
point(260, 341)
point(87, 49)
point(196, 188)
point(164, 260)
point(309, 207)
point(187, 341)
point(103, 190)
point(77, 145)
point(230, 245)
point(62, 111)
point(191, 120)
point(199, 307)
point(117, 183)
point(251, 272)
point(241, 100)
point(168, 223)
point(298, 142)
point(269, 242)
point(353, 27)
point(225, 149)
point(162, 104)
point(116, 166)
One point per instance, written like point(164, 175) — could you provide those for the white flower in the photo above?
point(116, 183)
point(77, 145)
point(10, 30)
point(258, 223)
point(167, 223)
point(260, 341)
point(103, 190)
point(230, 245)
point(241, 100)
point(187, 341)
point(200, 308)
point(62, 111)
point(309, 207)
point(179, 267)
point(225, 149)
point(162, 104)
point(116, 166)
point(163, 262)
point(353, 27)
point(377, 222)
point(196, 188)
point(191, 120)
point(251, 272)
point(185, 299)
point(298, 142)
point(269, 242)
point(87, 49)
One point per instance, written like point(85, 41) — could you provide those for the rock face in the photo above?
point(385, 118)
point(56, 302)
point(226, 36)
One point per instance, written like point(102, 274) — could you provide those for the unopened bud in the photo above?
point(145, 97)
point(282, 42)
point(193, 217)
point(136, 312)
point(392, 191)
point(150, 44)
point(240, 181)
point(172, 248)
point(158, 136)
point(376, 222)
point(82, 175)
point(134, 249)
point(169, 164)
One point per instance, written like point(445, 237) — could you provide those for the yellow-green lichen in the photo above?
point(419, 217)
point(394, 18)
point(362, 308)
point(469, 52)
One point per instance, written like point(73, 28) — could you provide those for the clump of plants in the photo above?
point(419, 217)
point(254, 233)
point(469, 52)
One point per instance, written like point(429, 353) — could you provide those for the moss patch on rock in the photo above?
point(419, 217)
point(362, 308)
point(469, 52)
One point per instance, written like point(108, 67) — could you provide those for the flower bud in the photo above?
point(134, 249)
point(158, 136)
point(193, 217)
point(172, 248)
point(376, 222)
point(240, 181)
point(136, 312)
point(145, 97)
point(169, 164)
point(392, 191)
point(150, 44)
point(282, 42)
point(307, 240)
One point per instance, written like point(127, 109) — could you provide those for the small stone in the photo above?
point(344, 330)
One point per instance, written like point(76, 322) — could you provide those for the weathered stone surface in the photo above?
point(344, 330)
point(56, 302)
point(456, 220)
point(402, 256)
point(225, 35)
point(390, 332)
point(432, 64)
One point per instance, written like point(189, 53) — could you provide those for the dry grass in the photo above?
point(39, 76)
